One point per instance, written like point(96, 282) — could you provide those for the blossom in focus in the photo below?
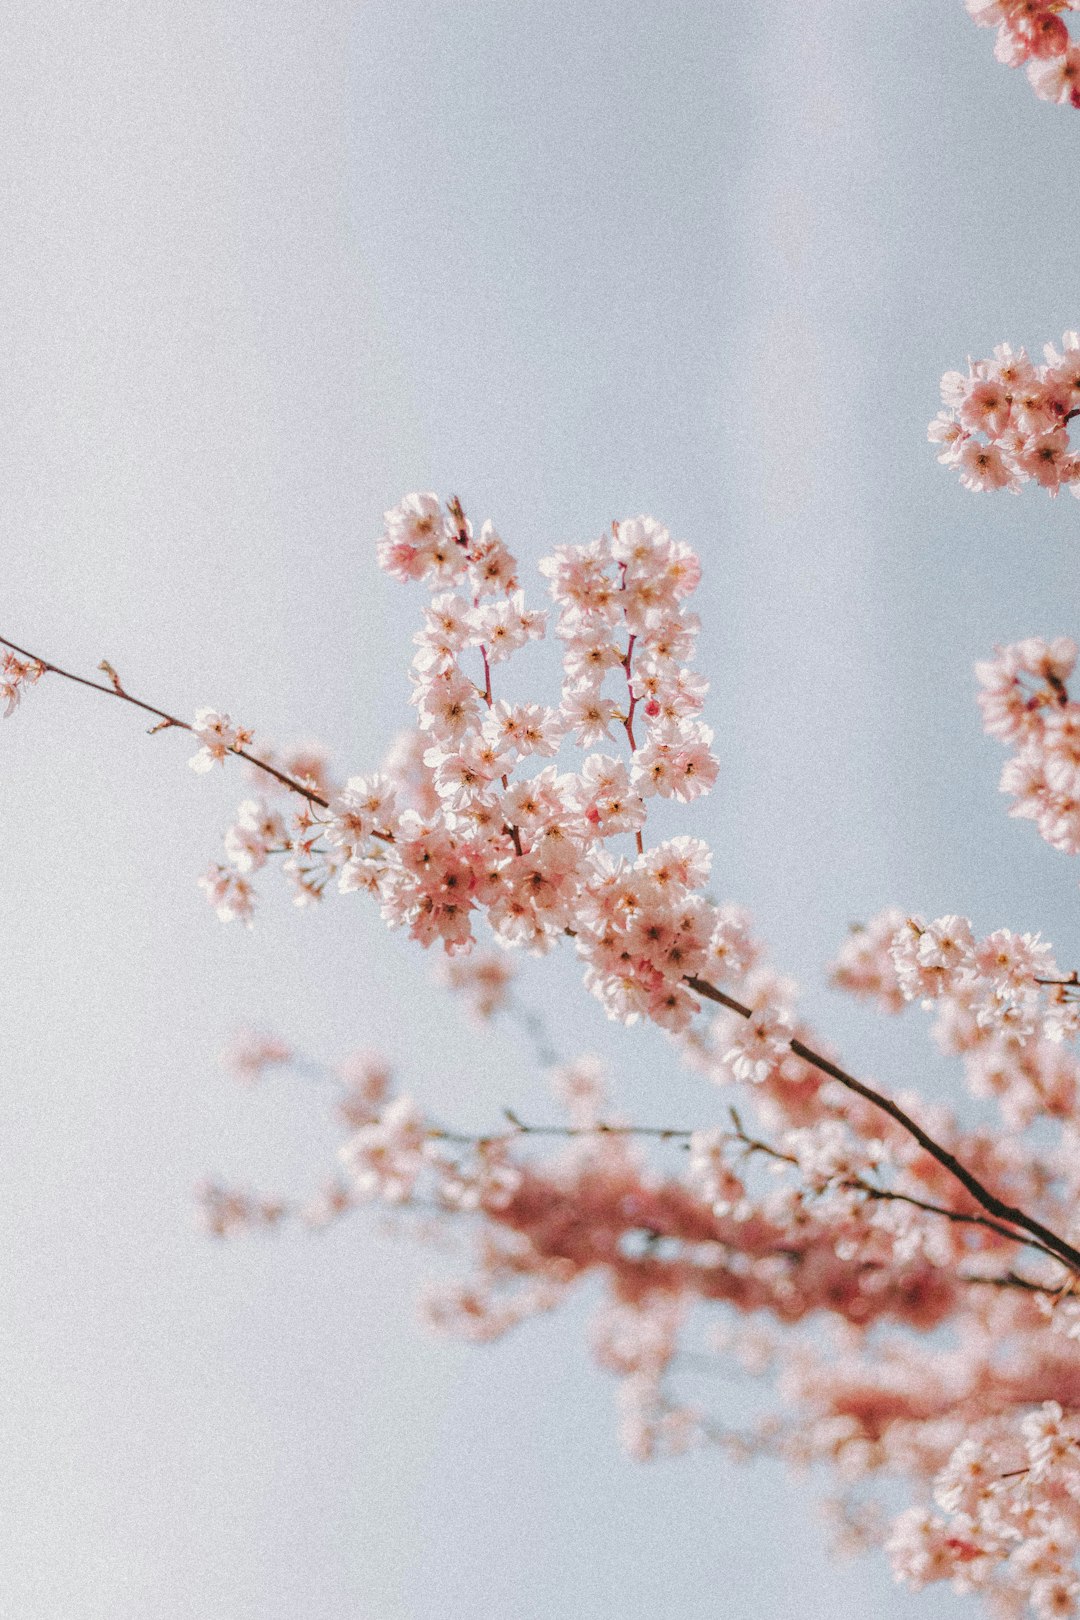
point(1025, 703)
point(1005, 422)
point(218, 737)
point(762, 1042)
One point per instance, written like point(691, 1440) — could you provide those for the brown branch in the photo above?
point(166, 721)
point(668, 1133)
point(1012, 1280)
point(880, 1194)
point(997, 1207)
point(890, 1195)
point(628, 665)
point(518, 1127)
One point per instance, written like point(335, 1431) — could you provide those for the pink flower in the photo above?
point(15, 675)
point(250, 1054)
point(760, 1044)
point(524, 728)
point(982, 467)
point(864, 964)
point(676, 761)
point(1006, 422)
point(1030, 31)
point(587, 716)
point(384, 1160)
point(604, 797)
point(502, 627)
point(218, 737)
point(366, 805)
point(1057, 78)
point(483, 979)
point(986, 409)
point(418, 543)
point(230, 895)
point(492, 570)
point(256, 832)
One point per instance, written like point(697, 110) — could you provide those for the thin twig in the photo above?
point(167, 721)
point(982, 1195)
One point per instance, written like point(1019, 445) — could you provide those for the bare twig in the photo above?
point(165, 720)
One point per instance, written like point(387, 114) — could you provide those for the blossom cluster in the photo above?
point(1006, 422)
point(217, 737)
point(1035, 35)
point(1008, 1519)
point(1025, 704)
point(467, 819)
point(1001, 1004)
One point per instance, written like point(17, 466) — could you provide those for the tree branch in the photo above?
point(982, 1195)
point(1048, 1240)
point(167, 721)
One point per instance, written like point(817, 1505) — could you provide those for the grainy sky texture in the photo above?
point(264, 268)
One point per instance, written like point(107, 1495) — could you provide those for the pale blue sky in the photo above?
point(265, 268)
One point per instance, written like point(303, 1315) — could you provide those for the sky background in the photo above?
point(265, 268)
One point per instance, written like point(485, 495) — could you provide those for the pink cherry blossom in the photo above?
point(1006, 421)
point(1033, 32)
point(218, 737)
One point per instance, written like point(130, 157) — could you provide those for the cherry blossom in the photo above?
point(484, 979)
point(905, 1272)
point(1025, 703)
point(1006, 422)
point(218, 736)
point(230, 895)
point(1035, 35)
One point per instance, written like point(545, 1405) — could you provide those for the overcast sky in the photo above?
point(266, 267)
